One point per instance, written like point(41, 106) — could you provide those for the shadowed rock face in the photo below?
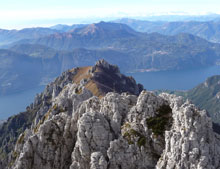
point(109, 79)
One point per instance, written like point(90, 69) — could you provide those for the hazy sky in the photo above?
point(15, 13)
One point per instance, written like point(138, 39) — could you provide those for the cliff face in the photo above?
point(83, 129)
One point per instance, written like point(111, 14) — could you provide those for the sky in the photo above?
point(28, 13)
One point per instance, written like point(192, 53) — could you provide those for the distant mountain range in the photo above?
point(173, 17)
point(10, 36)
point(206, 27)
point(66, 28)
point(18, 71)
point(149, 51)
point(209, 30)
point(94, 36)
point(39, 60)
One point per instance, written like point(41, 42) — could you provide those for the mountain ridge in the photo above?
point(208, 30)
point(10, 36)
point(145, 47)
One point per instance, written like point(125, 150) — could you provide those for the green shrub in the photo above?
point(131, 133)
point(159, 123)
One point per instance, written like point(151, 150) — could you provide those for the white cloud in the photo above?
point(26, 18)
point(56, 13)
point(84, 13)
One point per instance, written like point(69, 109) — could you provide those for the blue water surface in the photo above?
point(175, 80)
point(172, 80)
point(15, 103)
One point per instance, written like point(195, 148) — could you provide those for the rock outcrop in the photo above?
point(191, 142)
point(81, 130)
point(121, 131)
point(95, 79)
point(95, 133)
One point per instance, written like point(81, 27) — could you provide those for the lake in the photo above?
point(175, 80)
point(14, 103)
point(172, 80)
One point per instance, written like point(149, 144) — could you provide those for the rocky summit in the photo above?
point(97, 118)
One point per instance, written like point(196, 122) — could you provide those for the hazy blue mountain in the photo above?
point(10, 36)
point(180, 17)
point(17, 71)
point(20, 72)
point(35, 50)
point(209, 30)
point(101, 35)
point(66, 28)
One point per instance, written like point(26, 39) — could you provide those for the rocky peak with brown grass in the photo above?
point(103, 78)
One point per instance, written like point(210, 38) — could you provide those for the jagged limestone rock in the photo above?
point(98, 161)
point(113, 133)
point(93, 135)
point(74, 129)
point(191, 142)
point(94, 126)
point(50, 147)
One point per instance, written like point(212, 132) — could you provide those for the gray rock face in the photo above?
point(191, 143)
point(119, 131)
